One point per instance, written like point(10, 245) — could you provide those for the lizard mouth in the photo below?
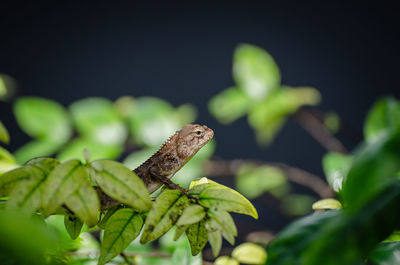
point(209, 133)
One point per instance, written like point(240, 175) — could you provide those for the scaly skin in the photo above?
point(171, 157)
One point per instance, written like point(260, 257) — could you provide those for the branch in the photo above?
point(125, 253)
point(220, 168)
point(318, 131)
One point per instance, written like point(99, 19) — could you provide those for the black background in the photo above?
point(183, 53)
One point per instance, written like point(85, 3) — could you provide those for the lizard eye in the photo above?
point(198, 132)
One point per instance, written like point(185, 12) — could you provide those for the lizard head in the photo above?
point(191, 138)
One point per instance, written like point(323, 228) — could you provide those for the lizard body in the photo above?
point(172, 156)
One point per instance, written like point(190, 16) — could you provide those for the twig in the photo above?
point(126, 259)
point(317, 130)
point(220, 168)
point(126, 253)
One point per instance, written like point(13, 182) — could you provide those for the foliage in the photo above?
point(59, 202)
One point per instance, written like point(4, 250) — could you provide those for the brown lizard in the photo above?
point(172, 156)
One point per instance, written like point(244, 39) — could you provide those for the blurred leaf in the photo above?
point(296, 204)
point(223, 199)
point(153, 120)
point(43, 119)
point(122, 184)
point(225, 260)
point(121, 229)
point(186, 113)
point(250, 253)
point(7, 87)
point(61, 183)
point(7, 161)
point(229, 105)
point(84, 202)
point(332, 122)
point(98, 119)
point(336, 167)
point(386, 254)
point(214, 237)
point(253, 180)
point(136, 158)
point(395, 236)
point(327, 204)
point(268, 116)
point(374, 168)
point(384, 116)
point(11, 178)
point(225, 224)
point(4, 136)
point(166, 210)
point(198, 237)
point(25, 240)
point(107, 216)
point(182, 256)
point(73, 225)
point(255, 71)
point(97, 150)
point(36, 149)
point(318, 238)
point(192, 214)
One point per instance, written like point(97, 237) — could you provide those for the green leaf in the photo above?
point(61, 183)
point(73, 225)
point(11, 178)
point(332, 122)
point(297, 204)
point(386, 254)
point(120, 183)
point(152, 121)
point(250, 253)
point(107, 216)
point(253, 180)
point(46, 164)
point(36, 149)
point(214, 237)
point(336, 166)
point(222, 199)
point(327, 204)
point(179, 231)
point(27, 240)
point(98, 120)
point(225, 260)
point(4, 136)
point(27, 194)
point(318, 238)
point(182, 256)
point(198, 186)
point(43, 119)
point(198, 236)
point(255, 71)
point(226, 224)
point(75, 149)
point(121, 229)
point(7, 161)
point(268, 116)
point(192, 214)
point(229, 105)
point(374, 168)
point(166, 210)
point(84, 202)
point(383, 117)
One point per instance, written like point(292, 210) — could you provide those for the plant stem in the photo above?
point(126, 259)
point(318, 131)
point(220, 168)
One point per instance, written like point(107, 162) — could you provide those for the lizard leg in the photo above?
point(171, 185)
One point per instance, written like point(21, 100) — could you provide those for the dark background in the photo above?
point(183, 53)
